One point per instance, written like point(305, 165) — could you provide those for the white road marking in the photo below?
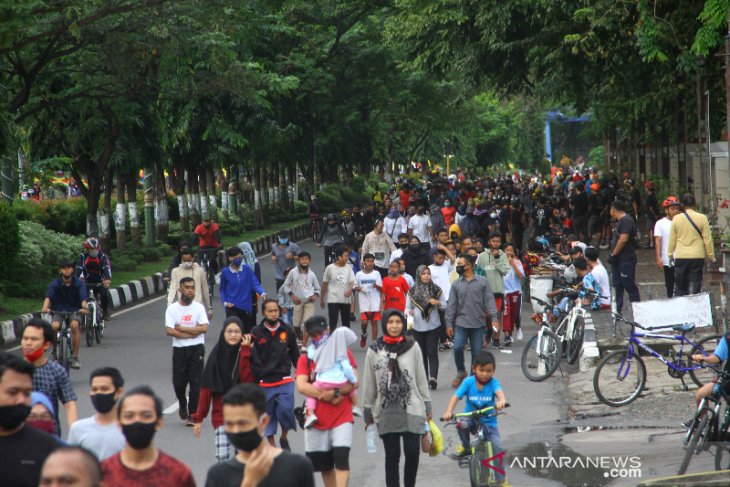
point(172, 408)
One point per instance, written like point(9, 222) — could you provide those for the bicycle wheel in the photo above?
point(618, 381)
point(88, 324)
point(576, 340)
point(479, 474)
point(99, 329)
point(722, 453)
point(700, 431)
point(538, 365)
point(64, 353)
point(704, 375)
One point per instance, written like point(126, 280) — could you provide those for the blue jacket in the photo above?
point(66, 298)
point(238, 287)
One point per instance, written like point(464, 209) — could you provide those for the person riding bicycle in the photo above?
point(94, 268)
point(209, 242)
point(481, 390)
point(67, 294)
point(718, 356)
point(313, 210)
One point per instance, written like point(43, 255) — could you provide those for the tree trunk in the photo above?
point(223, 183)
point(120, 223)
point(258, 194)
point(210, 190)
point(203, 192)
point(193, 196)
point(132, 207)
point(162, 212)
point(105, 212)
point(265, 181)
point(182, 201)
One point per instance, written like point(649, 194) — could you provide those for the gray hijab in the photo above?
point(335, 349)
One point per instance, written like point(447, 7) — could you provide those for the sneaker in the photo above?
point(519, 334)
point(460, 376)
point(688, 423)
point(189, 422)
point(74, 363)
point(363, 340)
point(310, 421)
point(357, 411)
point(432, 383)
point(462, 452)
point(448, 344)
point(508, 341)
point(442, 347)
point(183, 412)
point(495, 344)
point(603, 246)
point(284, 444)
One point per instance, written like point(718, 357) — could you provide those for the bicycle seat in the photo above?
point(687, 327)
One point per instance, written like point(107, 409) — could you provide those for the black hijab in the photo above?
point(393, 346)
point(221, 370)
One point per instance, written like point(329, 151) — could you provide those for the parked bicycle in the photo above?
point(706, 430)
point(621, 375)
point(94, 321)
point(480, 474)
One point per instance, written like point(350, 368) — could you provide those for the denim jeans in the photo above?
point(624, 278)
point(491, 433)
point(461, 335)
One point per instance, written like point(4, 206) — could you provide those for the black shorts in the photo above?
point(324, 461)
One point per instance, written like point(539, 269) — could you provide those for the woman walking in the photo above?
point(424, 305)
point(396, 397)
point(228, 365)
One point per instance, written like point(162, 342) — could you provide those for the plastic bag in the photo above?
point(437, 439)
point(409, 322)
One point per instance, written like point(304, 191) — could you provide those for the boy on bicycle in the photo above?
point(481, 390)
point(718, 356)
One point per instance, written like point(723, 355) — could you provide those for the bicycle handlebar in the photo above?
point(540, 301)
point(473, 414)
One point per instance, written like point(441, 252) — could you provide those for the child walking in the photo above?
point(368, 284)
point(512, 296)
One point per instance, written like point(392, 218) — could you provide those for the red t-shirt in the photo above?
point(166, 471)
point(448, 212)
point(328, 416)
point(405, 195)
point(207, 235)
point(395, 293)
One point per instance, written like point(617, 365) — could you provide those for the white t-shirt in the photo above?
point(662, 228)
point(440, 276)
point(103, 440)
point(420, 225)
point(396, 254)
point(337, 279)
point(369, 297)
point(188, 316)
point(512, 283)
point(601, 275)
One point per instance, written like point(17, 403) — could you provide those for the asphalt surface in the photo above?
point(136, 343)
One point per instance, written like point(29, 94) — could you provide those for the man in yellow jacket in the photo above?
point(690, 242)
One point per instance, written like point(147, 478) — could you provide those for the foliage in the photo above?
point(9, 235)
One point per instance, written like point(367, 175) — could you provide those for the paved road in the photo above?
point(137, 345)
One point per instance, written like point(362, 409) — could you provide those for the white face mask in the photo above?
point(186, 265)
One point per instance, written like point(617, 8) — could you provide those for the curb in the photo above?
point(145, 287)
point(589, 352)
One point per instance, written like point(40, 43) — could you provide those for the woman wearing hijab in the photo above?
point(249, 258)
point(396, 397)
point(424, 305)
point(228, 365)
point(415, 255)
point(395, 224)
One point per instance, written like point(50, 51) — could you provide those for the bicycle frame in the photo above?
point(634, 341)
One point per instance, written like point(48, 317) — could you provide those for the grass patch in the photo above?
point(14, 307)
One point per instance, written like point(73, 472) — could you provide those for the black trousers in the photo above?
point(688, 276)
point(248, 319)
point(328, 255)
point(102, 294)
point(442, 329)
point(429, 343)
point(187, 370)
point(669, 280)
point(343, 309)
point(411, 450)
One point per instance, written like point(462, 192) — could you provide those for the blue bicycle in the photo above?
point(621, 375)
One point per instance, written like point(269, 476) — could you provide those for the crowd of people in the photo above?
point(428, 268)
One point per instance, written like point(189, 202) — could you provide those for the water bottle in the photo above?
point(371, 437)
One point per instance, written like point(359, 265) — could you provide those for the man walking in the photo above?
point(100, 433)
point(471, 304)
point(623, 254)
point(186, 322)
point(662, 232)
point(283, 254)
point(690, 242)
point(337, 284)
point(237, 288)
point(189, 268)
point(380, 245)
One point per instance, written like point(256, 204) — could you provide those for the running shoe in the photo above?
point(74, 363)
point(519, 334)
point(508, 341)
point(363, 340)
point(432, 384)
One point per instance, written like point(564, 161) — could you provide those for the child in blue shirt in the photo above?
point(481, 390)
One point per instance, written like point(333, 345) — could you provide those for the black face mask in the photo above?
point(139, 435)
point(403, 245)
point(414, 247)
point(271, 322)
point(246, 441)
point(460, 269)
point(103, 403)
point(186, 299)
point(13, 416)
